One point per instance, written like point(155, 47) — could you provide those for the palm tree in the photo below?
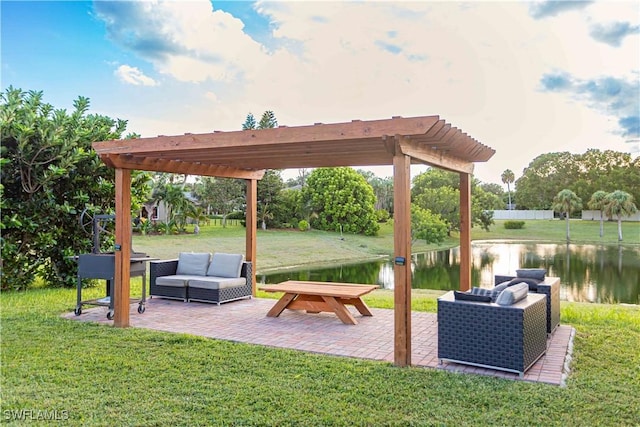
point(507, 178)
point(566, 201)
point(597, 203)
point(617, 204)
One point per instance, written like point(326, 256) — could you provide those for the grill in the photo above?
point(101, 265)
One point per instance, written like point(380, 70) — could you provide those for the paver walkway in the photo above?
point(372, 338)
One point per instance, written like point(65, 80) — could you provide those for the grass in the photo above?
point(100, 375)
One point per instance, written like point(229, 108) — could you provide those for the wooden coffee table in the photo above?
point(316, 297)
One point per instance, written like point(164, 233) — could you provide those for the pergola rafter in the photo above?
point(247, 154)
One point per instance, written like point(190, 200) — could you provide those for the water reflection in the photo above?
point(588, 273)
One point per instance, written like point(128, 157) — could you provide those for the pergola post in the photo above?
point(402, 256)
point(465, 231)
point(251, 220)
point(122, 249)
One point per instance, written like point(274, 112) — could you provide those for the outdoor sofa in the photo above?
point(507, 332)
point(202, 277)
point(539, 283)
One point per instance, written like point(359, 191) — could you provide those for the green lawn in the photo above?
point(100, 375)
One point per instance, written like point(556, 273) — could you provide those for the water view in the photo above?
point(588, 273)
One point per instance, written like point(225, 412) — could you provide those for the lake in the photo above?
point(588, 273)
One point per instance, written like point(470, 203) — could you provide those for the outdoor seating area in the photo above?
point(246, 321)
point(202, 277)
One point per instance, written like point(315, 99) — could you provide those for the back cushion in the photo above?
point(225, 265)
point(193, 263)
point(531, 273)
point(513, 294)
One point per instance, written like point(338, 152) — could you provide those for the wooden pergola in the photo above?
point(247, 154)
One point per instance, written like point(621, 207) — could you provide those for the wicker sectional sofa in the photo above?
point(200, 277)
point(504, 337)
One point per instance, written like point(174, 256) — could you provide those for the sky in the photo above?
point(525, 78)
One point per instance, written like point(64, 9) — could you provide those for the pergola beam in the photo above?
point(436, 158)
point(124, 161)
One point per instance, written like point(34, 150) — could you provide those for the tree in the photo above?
point(382, 188)
point(566, 202)
point(439, 192)
point(222, 195)
point(583, 174)
point(249, 123)
point(597, 203)
point(545, 176)
point(427, 226)
point(342, 200)
point(50, 176)
point(268, 120)
point(269, 189)
point(507, 178)
point(619, 203)
point(170, 189)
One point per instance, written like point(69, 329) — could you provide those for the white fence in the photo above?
point(515, 214)
point(595, 216)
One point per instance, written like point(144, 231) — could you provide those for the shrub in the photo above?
point(303, 225)
point(514, 225)
point(382, 215)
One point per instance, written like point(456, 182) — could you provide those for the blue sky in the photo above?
point(525, 78)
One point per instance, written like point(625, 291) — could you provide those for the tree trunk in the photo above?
point(601, 225)
point(567, 219)
point(619, 228)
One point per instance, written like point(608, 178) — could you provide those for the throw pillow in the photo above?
point(531, 273)
point(463, 296)
point(193, 263)
point(533, 283)
point(513, 294)
point(225, 265)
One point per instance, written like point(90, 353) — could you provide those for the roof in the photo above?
point(246, 154)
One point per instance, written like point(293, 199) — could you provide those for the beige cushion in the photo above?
point(177, 280)
point(194, 263)
point(225, 265)
point(513, 294)
point(217, 282)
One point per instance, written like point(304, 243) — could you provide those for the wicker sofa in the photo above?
point(200, 277)
point(504, 337)
point(550, 286)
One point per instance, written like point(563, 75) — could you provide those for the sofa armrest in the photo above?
point(162, 268)
point(246, 272)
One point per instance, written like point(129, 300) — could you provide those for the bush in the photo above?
point(382, 215)
point(303, 225)
point(514, 225)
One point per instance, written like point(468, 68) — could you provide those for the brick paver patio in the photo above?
point(372, 338)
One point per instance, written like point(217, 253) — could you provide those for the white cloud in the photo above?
point(478, 65)
point(134, 76)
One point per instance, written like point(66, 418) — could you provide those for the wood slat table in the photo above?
point(316, 297)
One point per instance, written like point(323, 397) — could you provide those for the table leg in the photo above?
point(362, 307)
point(341, 311)
point(282, 303)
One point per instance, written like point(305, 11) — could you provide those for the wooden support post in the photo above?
point(465, 231)
point(123, 249)
point(251, 229)
point(402, 256)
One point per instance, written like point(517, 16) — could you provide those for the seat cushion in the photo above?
point(513, 294)
point(194, 263)
point(176, 280)
point(225, 265)
point(533, 283)
point(211, 282)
